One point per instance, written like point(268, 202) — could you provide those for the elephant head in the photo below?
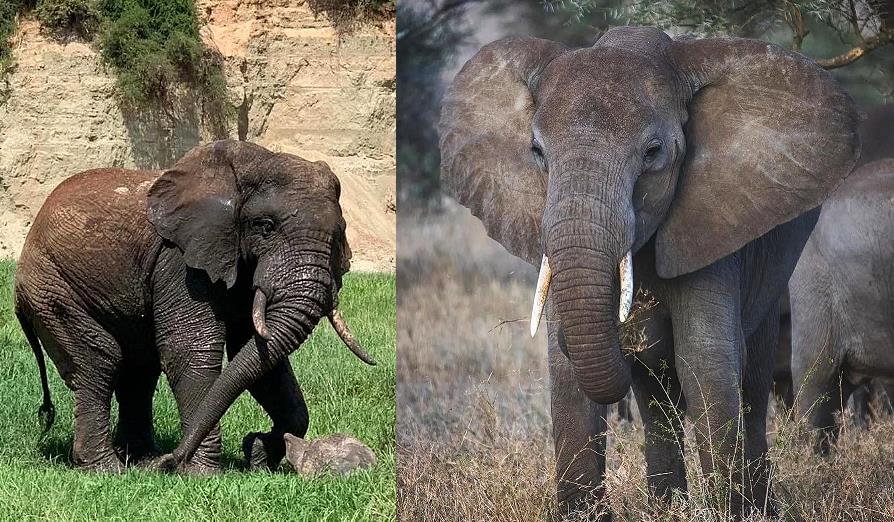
point(238, 210)
point(574, 158)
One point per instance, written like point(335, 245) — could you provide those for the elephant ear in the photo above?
point(193, 205)
point(485, 141)
point(769, 136)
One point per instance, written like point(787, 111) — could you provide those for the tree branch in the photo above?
point(434, 19)
point(861, 50)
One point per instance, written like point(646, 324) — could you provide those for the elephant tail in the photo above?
point(46, 412)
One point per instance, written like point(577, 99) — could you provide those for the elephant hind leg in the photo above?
point(88, 359)
point(134, 436)
point(280, 395)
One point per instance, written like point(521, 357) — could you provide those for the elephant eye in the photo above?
point(264, 226)
point(652, 152)
point(536, 149)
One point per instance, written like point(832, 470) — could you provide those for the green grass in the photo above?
point(37, 482)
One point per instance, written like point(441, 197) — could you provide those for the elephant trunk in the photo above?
point(291, 310)
point(586, 296)
point(588, 236)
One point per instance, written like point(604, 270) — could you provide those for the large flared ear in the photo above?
point(770, 135)
point(485, 140)
point(193, 205)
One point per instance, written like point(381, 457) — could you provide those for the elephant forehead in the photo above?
point(606, 88)
point(310, 177)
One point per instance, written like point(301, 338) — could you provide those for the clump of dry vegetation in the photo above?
point(474, 439)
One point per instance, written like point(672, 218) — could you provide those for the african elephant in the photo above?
point(877, 142)
point(868, 401)
point(841, 295)
point(690, 163)
point(126, 273)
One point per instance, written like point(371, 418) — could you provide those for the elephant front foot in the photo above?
point(107, 464)
point(166, 463)
point(583, 507)
point(201, 468)
point(263, 450)
point(169, 463)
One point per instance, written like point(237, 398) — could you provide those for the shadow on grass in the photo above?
point(57, 449)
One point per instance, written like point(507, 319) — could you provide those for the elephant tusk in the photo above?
point(341, 328)
point(540, 295)
point(625, 267)
point(258, 311)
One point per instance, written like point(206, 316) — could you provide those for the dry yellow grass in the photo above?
point(474, 439)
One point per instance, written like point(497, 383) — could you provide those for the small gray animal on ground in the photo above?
point(338, 454)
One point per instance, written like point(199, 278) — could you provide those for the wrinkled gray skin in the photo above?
point(691, 153)
point(868, 401)
point(126, 274)
point(842, 293)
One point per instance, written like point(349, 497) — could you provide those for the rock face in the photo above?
point(298, 86)
point(337, 454)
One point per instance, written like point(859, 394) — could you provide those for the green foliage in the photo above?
point(346, 14)
point(9, 10)
point(343, 395)
point(155, 46)
point(61, 16)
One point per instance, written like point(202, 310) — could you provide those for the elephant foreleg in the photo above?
point(578, 434)
point(662, 406)
point(190, 334)
point(709, 358)
point(756, 386)
point(189, 390)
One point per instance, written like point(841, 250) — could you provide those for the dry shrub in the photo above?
point(474, 429)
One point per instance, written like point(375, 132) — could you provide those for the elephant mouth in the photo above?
point(625, 272)
point(259, 313)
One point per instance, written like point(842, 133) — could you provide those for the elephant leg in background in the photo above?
point(134, 436)
point(821, 389)
point(578, 431)
point(662, 406)
point(709, 357)
point(881, 395)
point(190, 335)
point(280, 395)
point(757, 382)
point(94, 356)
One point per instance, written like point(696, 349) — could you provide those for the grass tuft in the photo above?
point(343, 395)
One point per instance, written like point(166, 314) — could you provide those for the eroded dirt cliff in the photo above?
point(298, 86)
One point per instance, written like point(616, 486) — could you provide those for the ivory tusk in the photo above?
point(540, 295)
point(625, 268)
point(341, 328)
point(258, 311)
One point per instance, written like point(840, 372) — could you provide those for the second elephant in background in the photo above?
point(842, 297)
point(877, 143)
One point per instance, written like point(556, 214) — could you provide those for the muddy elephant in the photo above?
point(841, 295)
point(694, 164)
point(126, 274)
